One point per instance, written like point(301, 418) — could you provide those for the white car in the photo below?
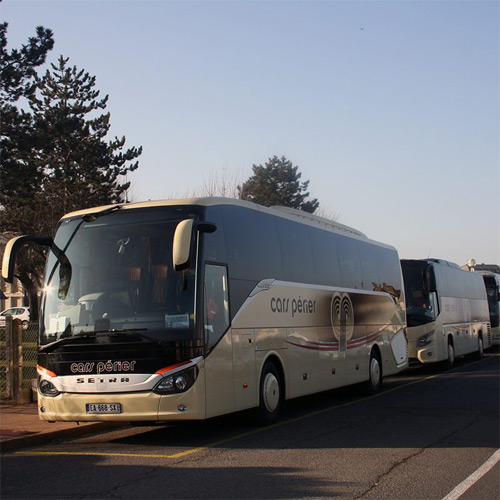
point(22, 313)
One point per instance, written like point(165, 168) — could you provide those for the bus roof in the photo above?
point(286, 212)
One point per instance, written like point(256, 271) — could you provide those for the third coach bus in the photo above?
point(176, 310)
point(492, 285)
point(447, 311)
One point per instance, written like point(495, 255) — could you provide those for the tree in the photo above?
point(16, 66)
point(277, 183)
point(17, 178)
point(223, 183)
point(81, 169)
point(71, 164)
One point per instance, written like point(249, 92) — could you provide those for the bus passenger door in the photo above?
point(219, 360)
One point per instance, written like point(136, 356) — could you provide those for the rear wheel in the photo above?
point(374, 382)
point(480, 348)
point(270, 395)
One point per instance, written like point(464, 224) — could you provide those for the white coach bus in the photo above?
point(447, 311)
point(176, 310)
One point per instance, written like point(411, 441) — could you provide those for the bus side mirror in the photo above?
point(181, 248)
point(183, 237)
point(12, 248)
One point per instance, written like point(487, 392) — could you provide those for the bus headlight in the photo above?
point(425, 339)
point(179, 382)
point(48, 388)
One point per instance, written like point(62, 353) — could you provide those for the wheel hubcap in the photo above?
point(271, 392)
point(451, 353)
point(375, 372)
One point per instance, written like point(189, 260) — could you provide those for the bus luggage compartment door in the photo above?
point(245, 385)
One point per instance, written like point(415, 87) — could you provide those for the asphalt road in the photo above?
point(426, 436)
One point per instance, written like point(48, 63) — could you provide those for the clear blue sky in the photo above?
point(389, 108)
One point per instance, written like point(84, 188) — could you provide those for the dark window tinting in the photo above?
point(296, 252)
point(389, 271)
point(262, 246)
point(369, 265)
point(325, 258)
point(350, 268)
point(252, 244)
point(215, 243)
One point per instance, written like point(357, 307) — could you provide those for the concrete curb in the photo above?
point(37, 439)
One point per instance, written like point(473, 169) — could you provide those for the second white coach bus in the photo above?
point(190, 309)
point(447, 311)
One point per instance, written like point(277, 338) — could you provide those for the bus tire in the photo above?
point(375, 378)
point(270, 394)
point(450, 359)
point(480, 348)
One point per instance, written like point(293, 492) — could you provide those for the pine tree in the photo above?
point(277, 183)
point(16, 66)
point(80, 168)
point(18, 179)
point(17, 176)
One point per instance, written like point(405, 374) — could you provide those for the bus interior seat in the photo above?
point(159, 273)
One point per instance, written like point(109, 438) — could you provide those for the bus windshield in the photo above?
point(114, 274)
point(421, 305)
point(492, 294)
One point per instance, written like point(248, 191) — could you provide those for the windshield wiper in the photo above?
point(92, 217)
point(68, 340)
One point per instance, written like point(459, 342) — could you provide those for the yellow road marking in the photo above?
point(243, 434)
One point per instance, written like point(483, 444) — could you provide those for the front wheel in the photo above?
point(450, 360)
point(270, 395)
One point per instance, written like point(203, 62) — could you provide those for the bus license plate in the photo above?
point(104, 408)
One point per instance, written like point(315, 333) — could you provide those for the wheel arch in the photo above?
point(450, 339)
point(376, 349)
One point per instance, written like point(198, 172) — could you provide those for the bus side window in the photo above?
point(216, 303)
point(434, 302)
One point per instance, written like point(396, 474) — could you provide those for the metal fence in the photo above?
point(18, 353)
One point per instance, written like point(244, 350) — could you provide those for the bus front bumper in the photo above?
point(134, 407)
point(426, 354)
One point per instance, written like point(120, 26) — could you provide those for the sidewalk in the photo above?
point(20, 427)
